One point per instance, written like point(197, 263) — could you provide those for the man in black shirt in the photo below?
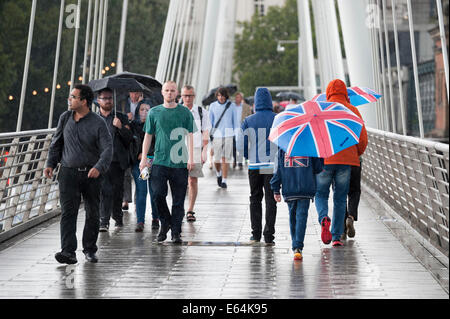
point(112, 183)
point(83, 146)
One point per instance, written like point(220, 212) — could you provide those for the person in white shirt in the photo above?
point(201, 139)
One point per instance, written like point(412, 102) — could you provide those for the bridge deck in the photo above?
point(217, 260)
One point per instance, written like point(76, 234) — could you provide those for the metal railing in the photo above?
point(411, 176)
point(26, 196)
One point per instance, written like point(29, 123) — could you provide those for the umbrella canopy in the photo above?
point(290, 96)
point(249, 100)
point(118, 84)
point(147, 80)
point(316, 129)
point(154, 94)
point(211, 96)
point(357, 95)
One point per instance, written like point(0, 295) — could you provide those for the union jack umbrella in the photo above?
point(357, 95)
point(316, 129)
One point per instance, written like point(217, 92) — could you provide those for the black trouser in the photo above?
point(72, 185)
point(127, 186)
point(259, 187)
point(354, 194)
point(178, 181)
point(111, 195)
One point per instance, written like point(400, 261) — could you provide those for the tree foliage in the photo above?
point(257, 61)
point(145, 27)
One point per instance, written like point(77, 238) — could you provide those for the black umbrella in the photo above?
point(147, 80)
point(154, 96)
point(290, 96)
point(118, 84)
point(249, 100)
point(211, 96)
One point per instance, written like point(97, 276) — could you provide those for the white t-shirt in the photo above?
point(133, 108)
point(205, 125)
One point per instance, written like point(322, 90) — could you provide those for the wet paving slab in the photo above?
point(217, 260)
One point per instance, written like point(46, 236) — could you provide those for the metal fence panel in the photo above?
point(411, 175)
point(25, 194)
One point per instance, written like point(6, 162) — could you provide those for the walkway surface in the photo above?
point(217, 260)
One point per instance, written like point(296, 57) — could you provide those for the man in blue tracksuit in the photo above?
point(297, 177)
point(253, 142)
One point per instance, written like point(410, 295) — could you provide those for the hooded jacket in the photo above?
point(296, 176)
point(337, 92)
point(252, 139)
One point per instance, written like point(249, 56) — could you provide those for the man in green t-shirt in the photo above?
point(171, 123)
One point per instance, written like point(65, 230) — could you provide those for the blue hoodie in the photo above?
point(252, 140)
point(296, 176)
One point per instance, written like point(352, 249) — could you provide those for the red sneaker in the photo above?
point(326, 235)
point(337, 243)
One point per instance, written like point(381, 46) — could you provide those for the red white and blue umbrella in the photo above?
point(316, 129)
point(357, 95)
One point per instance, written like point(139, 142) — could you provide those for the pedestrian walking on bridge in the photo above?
point(83, 146)
point(143, 187)
point(112, 184)
point(253, 143)
point(337, 172)
point(222, 115)
point(171, 124)
point(201, 140)
point(296, 176)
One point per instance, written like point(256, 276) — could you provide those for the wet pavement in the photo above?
point(217, 260)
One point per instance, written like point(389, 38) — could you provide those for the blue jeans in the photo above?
point(141, 195)
point(298, 216)
point(339, 177)
point(178, 181)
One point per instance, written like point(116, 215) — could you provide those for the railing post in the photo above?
point(11, 202)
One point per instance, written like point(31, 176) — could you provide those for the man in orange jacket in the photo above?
point(337, 172)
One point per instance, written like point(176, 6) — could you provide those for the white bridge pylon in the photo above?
point(198, 44)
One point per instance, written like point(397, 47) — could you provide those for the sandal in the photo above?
point(190, 217)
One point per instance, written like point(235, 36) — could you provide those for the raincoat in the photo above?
point(337, 92)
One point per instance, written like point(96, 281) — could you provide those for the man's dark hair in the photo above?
point(223, 91)
point(104, 90)
point(86, 93)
